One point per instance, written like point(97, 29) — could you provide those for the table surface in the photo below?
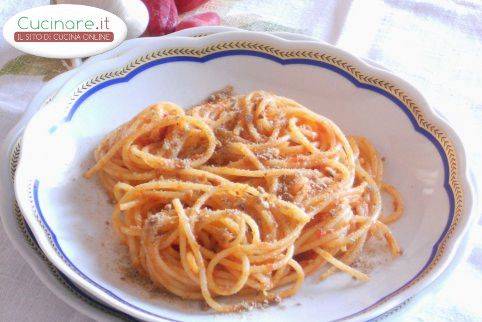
point(434, 44)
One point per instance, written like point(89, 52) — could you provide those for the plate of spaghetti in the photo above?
point(241, 175)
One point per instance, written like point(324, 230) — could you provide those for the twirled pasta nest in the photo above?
point(242, 195)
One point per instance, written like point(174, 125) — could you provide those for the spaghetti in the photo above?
point(242, 195)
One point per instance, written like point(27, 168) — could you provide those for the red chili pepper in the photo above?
point(188, 5)
point(321, 233)
point(202, 19)
point(163, 17)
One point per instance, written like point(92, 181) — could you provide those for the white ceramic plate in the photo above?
point(425, 160)
point(21, 235)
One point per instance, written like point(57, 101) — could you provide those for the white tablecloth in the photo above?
point(434, 44)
